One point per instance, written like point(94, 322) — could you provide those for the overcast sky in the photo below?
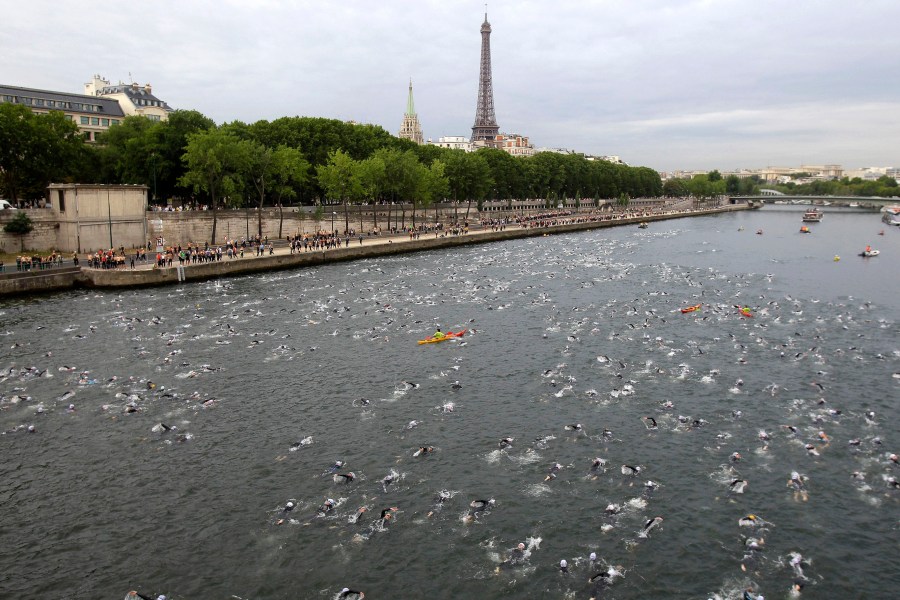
point(676, 84)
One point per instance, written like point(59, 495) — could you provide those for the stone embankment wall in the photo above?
point(43, 237)
point(227, 267)
point(68, 278)
point(196, 226)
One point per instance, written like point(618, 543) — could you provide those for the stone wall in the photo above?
point(43, 237)
point(196, 226)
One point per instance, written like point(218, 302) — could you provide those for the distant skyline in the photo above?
point(678, 84)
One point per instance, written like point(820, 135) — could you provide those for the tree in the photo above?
point(213, 159)
point(289, 171)
point(675, 187)
point(714, 176)
point(436, 184)
point(21, 226)
point(373, 182)
point(339, 180)
point(34, 150)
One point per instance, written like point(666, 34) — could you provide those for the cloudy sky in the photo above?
point(674, 84)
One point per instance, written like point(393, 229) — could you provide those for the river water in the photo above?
point(572, 329)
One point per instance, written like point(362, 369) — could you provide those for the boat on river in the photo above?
point(690, 309)
point(891, 215)
point(447, 336)
point(813, 215)
point(869, 252)
point(804, 229)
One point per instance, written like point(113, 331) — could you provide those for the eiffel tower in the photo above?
point(485, 128)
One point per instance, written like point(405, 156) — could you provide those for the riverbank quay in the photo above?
point(148, 275)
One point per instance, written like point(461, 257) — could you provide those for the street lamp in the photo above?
point(153, 168)
point(333, 214)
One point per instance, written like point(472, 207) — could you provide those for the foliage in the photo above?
point(883, 187)
point(20, 225)
point(36, 149)
point(339, 178)
point(213, 160)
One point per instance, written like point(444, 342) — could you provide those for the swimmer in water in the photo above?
point(735, 456)
point(516, 556)
point(478, 507)
point(387, 514)
point(563, 566)
point(326, 508)
point(597, 465)
point(344, 478)
point(554, 469)
point(423, 451)
point(573, 427)
point(337, 465)
point(629, 470)
point(388, 480)
point(348, 594)
point(737, 486)
point(442, 497)
point(750, 521)
point(599, 583)
point(506, 443)
point(359, 513)
point(797, 482)
point(649, 422)
point(649, 525)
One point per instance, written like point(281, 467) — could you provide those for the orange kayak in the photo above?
point(746, 312)
point(691, 308)
point(448, 336)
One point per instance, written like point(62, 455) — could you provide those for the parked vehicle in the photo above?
point(5, 205)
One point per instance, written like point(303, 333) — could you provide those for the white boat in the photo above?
point(868, 253)
point(891, 215)
point(813, 215)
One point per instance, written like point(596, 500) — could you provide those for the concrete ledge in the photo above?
point(34, 282)
point(112, 279)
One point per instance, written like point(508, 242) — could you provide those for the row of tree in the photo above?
point(307, 160)
point(712, 185)
point(883, 187)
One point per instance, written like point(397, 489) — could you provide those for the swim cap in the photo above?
point(290, 505)
point(563, 564)
point(593, 556)
point(345, 590)
point(521, 546)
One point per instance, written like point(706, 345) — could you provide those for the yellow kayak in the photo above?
point(449, 335)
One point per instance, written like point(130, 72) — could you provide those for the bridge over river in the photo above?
point(871, 202)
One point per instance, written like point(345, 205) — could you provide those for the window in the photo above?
point(62, 200)
point(87, 135)
point(104, 122)
point(39, 102)
point(85, 121)
point(95, 121)
point(114, 121)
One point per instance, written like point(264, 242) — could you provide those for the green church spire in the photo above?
point(410, 105)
